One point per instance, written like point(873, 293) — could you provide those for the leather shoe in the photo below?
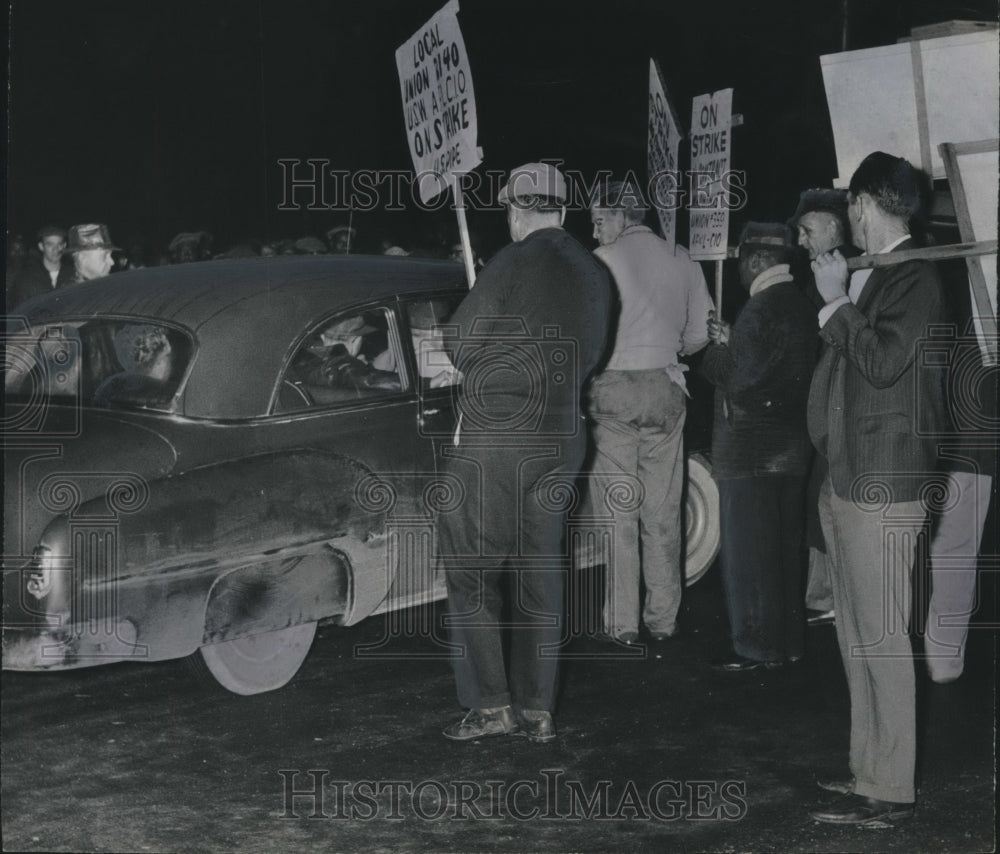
point(537, 725)
point(664, 636)
point(841, 787)
point(856, 809)
point(480, 723)
point(626, 638)
point(739, 664)
point(819, 618)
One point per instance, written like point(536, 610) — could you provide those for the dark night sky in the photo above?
point(159, 116)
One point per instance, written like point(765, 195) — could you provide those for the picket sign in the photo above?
point(439, 110)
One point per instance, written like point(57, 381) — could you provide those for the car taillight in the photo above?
point(39, 576)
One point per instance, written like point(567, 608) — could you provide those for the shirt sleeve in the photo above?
point(699, 303)
point(827, 311)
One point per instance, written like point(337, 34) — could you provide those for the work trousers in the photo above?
point(505, 539)
point(872, 547)
point(762, 521)
point(819, 588)
point(638, 479)
point(954, 553)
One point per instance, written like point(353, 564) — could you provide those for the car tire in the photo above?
point(255, 663)
point(701, 517)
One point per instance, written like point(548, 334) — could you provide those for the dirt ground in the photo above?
point(656, 752)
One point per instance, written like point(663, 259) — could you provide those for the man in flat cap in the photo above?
point(638, 406)
point(524, 339)
point(190, 246)
point(874, 412)
point(91, 247)
point(761, 369)
point(341, 239)
point(820, 221)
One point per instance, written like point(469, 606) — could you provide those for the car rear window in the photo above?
point(117, 364)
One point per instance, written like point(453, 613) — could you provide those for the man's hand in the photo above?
point(447, 377)
point(718, 330)
point(830, 270)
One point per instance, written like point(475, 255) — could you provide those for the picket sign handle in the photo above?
point(718, 288)
point(925, 253)
point(463, 231)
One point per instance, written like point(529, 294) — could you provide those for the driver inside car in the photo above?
point(332, 359)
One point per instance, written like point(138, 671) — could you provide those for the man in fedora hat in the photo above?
point(525, 340)
point(761, 369)
point(91, 248)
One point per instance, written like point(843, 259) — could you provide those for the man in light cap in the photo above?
point(524, 339)
point(91, 248)
point(638, 407)
point(761, 369)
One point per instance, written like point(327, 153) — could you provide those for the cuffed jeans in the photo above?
point(505, 537)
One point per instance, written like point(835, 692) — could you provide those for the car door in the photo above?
point(349, 388)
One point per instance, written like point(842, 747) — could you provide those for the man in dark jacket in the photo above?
point(820, 220)
point(40, 275)
point(874, 412)
point(760, 451)
point(524, 339)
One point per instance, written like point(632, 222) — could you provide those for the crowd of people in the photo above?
point(827, 429)
point(819, 373)
point(62, 256)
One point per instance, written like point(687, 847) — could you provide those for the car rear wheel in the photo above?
point(701, 515)
point(258, 663)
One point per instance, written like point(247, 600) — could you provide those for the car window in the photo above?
point(425, 318)
point(344, 359)
point(118, 364)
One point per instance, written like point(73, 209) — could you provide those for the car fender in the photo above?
point(228, 549)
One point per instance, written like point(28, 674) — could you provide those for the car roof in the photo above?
point(245, 313)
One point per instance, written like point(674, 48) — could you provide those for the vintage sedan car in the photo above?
point(210, 459)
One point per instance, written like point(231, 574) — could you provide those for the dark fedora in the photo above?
point(92, 235)
point(766, 234)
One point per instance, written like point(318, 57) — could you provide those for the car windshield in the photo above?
point(118, 364)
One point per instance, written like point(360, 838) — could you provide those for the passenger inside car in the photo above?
point(151, 380)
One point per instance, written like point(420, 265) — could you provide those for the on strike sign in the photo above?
point(439, 105)
point(711, 116)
